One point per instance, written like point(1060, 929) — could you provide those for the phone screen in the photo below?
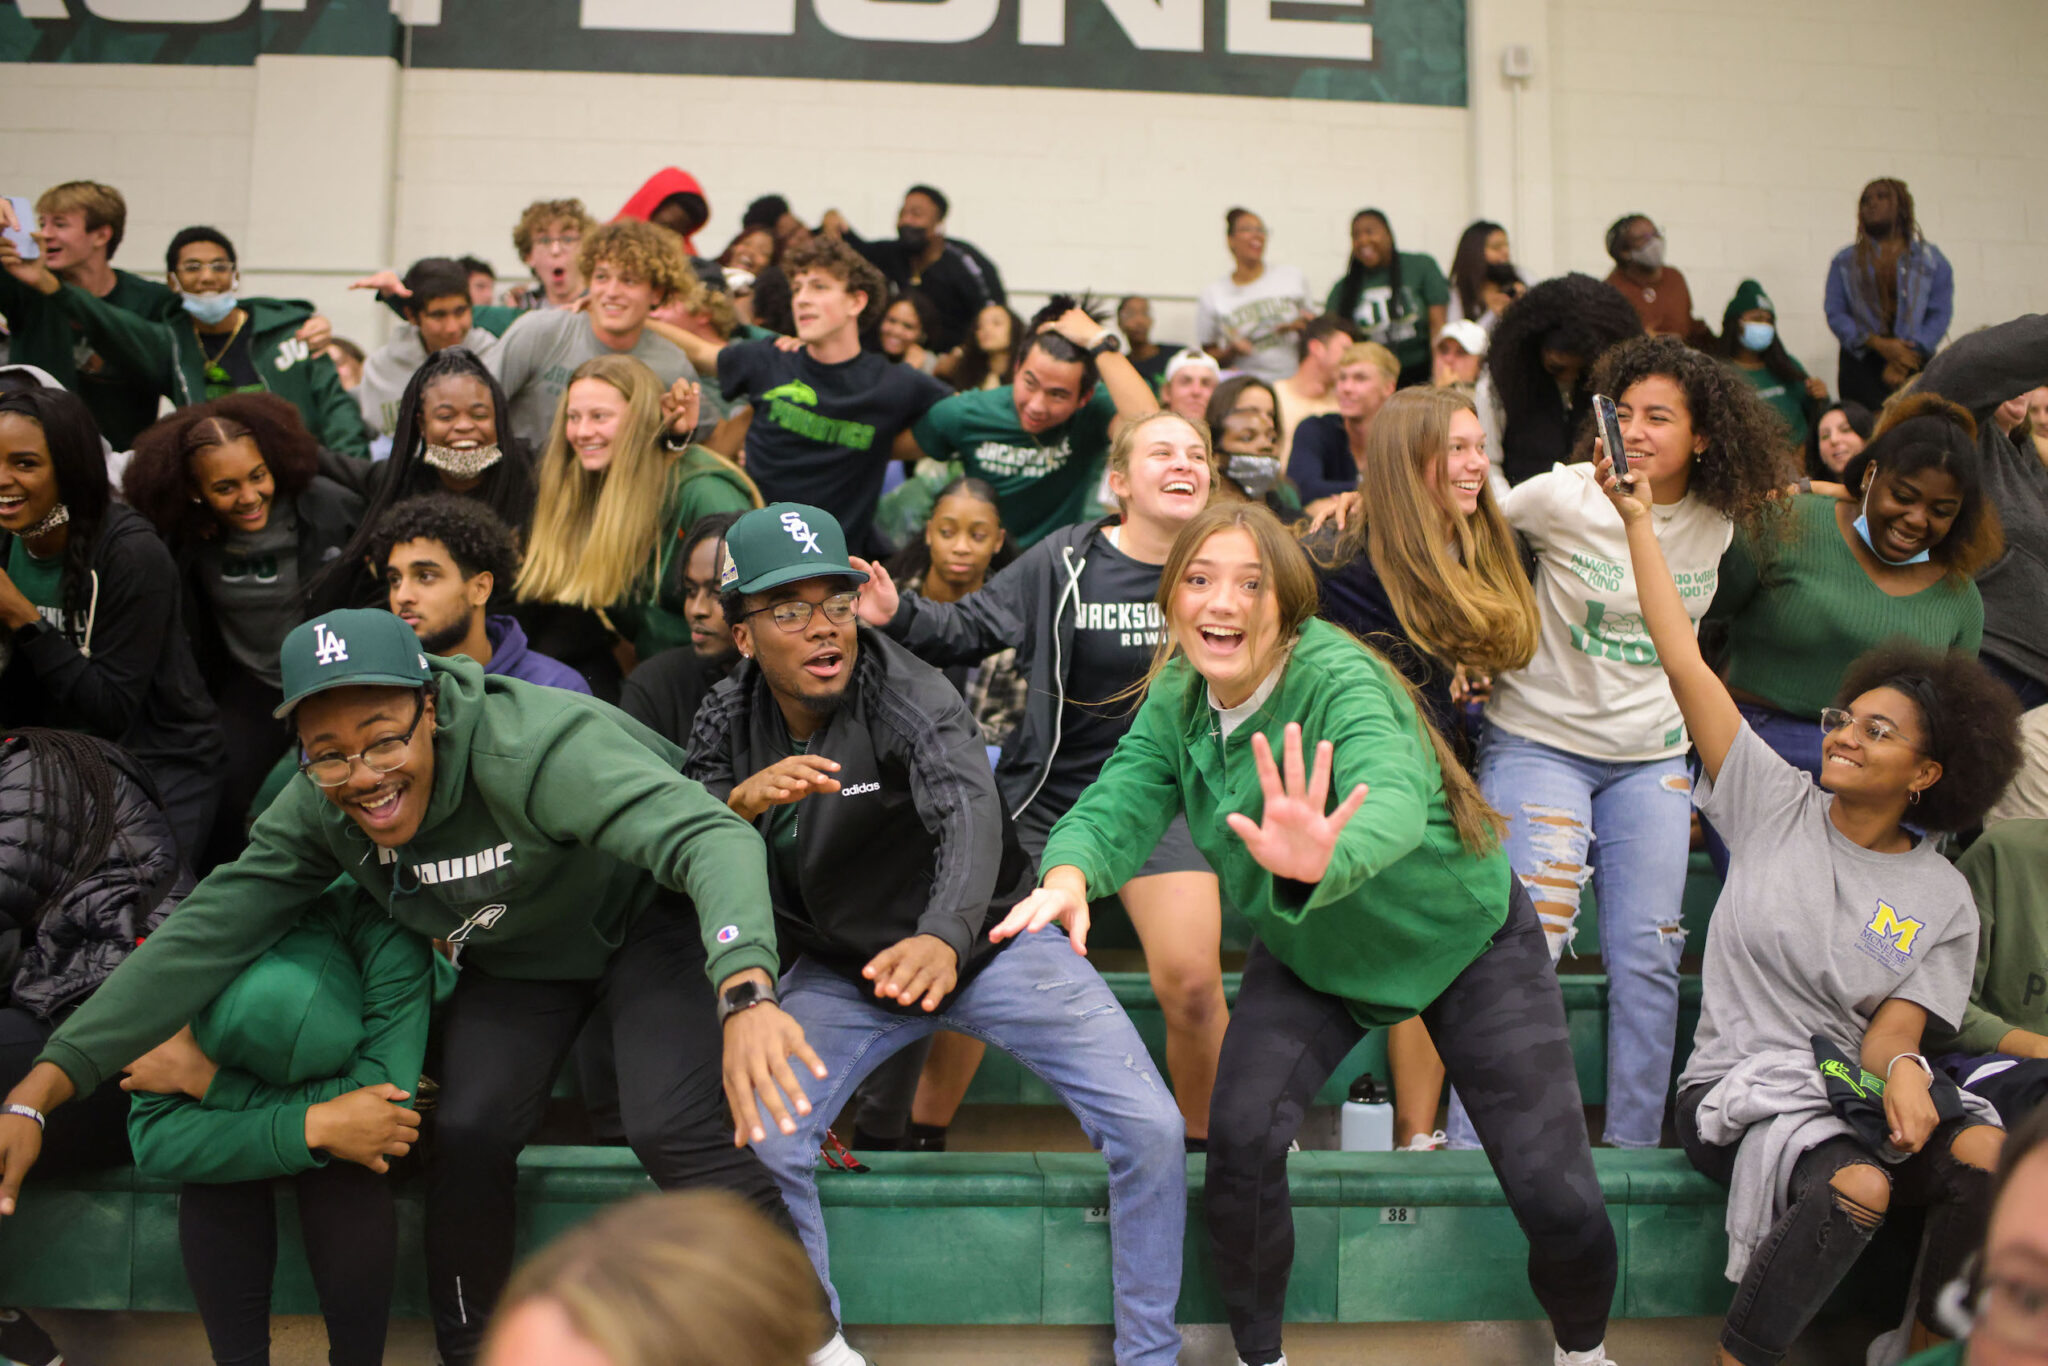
point(1610, 434)
point(24, 242)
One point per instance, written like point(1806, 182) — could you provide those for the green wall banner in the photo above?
point(1394, 51)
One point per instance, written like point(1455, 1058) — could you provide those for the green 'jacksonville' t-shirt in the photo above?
point(1788, 401)
point(40, 581)
point(1042, 482)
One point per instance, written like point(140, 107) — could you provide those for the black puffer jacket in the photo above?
point(67, 952)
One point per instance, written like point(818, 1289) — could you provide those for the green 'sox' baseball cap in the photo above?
point(782, 543)
point(360, 647)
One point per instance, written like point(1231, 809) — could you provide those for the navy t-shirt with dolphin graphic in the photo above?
point(822, 433)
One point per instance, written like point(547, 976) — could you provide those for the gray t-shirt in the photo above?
point(1813, 932)
point(252, 580)
point(541, 350)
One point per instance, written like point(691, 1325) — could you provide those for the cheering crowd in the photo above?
point(736, 677)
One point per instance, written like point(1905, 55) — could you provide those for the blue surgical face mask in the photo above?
point(209, 308)
point(1862, 525)
point(1758, 336)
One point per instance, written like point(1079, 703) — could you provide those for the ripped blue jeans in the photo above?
point(1047, 1007)
point(1626, 827)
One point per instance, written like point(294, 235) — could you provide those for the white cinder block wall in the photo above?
point(1745, 126)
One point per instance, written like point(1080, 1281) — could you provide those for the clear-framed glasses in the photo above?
point(794, 616)
point(570, 240)
point(199, 270)
point(1873, 730)
point(385, 755)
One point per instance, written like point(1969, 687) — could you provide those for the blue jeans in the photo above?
point(1563, 811)
point(1795, 739)
point(1047, 1007)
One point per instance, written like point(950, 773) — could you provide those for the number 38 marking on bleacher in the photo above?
point(1398, 1214)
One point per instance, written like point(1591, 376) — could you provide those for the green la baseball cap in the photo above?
point(783, 543)
point(359, 647)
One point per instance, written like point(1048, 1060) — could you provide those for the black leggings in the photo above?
point(228, 1234)
point(1823, 1231)
point(502, 1043)
point(1500, 1028)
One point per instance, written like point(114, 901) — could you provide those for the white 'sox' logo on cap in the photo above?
point(328, 648)
point(800, 531)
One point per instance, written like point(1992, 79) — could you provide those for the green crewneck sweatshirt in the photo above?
point(1403, 908)
point(340, 1003)
point(553, 820)
point(1800, 609)
point(2007, 869)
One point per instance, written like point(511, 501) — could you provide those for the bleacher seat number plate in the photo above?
point(1397, 1214)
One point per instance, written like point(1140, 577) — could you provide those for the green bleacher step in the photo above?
point(996, 1238)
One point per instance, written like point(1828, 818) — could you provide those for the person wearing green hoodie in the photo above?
point(1394, 902)
point(1999, 1048)
point(311, 1054)
point(554, 845)
point(1754, 350)
point(225, 344)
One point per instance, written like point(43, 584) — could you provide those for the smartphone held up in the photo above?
point(25, 244)
point(1609, 430)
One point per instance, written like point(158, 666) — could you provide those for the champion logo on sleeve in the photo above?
point(729, 933)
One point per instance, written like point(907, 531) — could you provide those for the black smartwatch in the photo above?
point(1107, 342)
point(28, 631)
point(743, 996)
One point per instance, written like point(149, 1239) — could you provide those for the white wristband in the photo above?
point(1925, 1066)
point(27, 1112)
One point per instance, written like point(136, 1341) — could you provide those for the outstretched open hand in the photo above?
point(1294, 837)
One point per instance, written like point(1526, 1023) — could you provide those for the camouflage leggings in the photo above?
point(1500, 1028)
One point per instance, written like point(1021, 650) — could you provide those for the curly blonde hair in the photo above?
point(644, 251)
point(541, 212)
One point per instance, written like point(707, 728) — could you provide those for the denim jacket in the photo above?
point(1927, 300)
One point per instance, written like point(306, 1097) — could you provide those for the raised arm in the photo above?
point(1703, 698)
point(1127, 388)
point(703, 353)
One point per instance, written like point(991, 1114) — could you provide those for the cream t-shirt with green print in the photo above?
point(1596, 688)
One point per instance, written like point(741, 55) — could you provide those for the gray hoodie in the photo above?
point(1981, 371)
point(389, 369)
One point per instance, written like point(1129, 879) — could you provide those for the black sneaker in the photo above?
point(24, 1343)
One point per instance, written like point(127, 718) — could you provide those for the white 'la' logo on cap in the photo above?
point(328, 648)
point(800, 531)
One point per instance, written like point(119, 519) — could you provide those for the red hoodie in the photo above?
point(663, 183)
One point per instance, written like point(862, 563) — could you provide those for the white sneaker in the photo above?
point(837, 1352)
point(1596, 1357)
point(1281, 1362)
point(1424, 1143)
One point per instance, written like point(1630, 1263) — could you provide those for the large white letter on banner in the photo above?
point(1152, 25)
point(166, 11)
point(908, 21)
point(1251, 29)
point(691, 16)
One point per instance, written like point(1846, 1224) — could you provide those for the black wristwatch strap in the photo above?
point(743, 996)
point(28, 631)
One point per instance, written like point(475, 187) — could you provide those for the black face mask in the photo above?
point(913, 238)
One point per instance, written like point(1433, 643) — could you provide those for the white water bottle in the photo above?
point(1368, 1119)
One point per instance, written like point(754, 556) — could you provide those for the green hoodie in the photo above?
point(553, 820)
point(2007, 869)
point(122, 401)
point(1403, 908)
point(340, 1003)
point(701, 482)
point(169, 355)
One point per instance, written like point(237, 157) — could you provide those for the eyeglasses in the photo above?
point(794, 616)
point(199, 270)
point(1872, 729)
point(381, 757)
point(546, 242)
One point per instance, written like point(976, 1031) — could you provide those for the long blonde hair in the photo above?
point(595, 535)
point(693, 1278)
point(1126, 444)
point(1292, 580)
point(1475, 609)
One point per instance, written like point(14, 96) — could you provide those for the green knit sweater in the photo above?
point(1800, 609)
